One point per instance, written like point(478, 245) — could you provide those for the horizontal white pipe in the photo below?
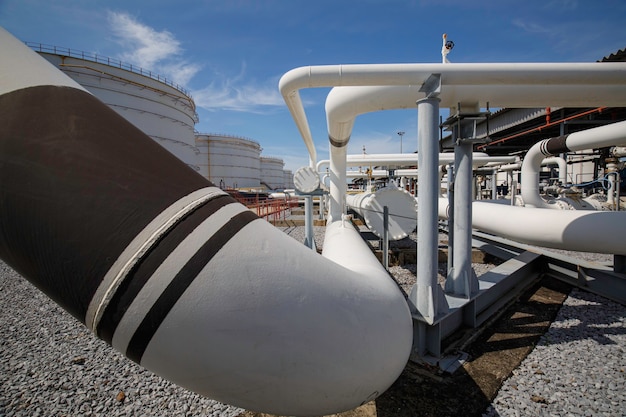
point(379, 173)
point(575, 230)
point(375, 87)
point(613, 134)
point(599, 137)
point(479, 159)
point(402, 211)
point(499, 84)
point(376, 173)
point(510, 167)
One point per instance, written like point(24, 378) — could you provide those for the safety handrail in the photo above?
point(112, 62)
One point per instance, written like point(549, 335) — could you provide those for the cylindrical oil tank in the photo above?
point(288, 178)
point(272, 172)
point(401, 206)
point(230, 161)
point(202, 144)
point(158, 107)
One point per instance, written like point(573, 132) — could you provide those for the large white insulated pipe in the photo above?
point(173, 272)
point(400, 85)
point(575, 230)
point(499, 84)
point(402, 208)
point(599, 137)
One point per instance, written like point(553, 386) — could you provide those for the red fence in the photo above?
point(271, 209)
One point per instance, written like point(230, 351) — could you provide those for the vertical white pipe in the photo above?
point(337, 182)
point(560, 162)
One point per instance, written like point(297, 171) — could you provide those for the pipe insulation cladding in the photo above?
point(515, 84)
point(402, 211)
point(173, 272)
point(574, 230)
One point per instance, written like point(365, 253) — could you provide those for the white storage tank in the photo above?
point(161, 109)
point(272, 175)
point(230, 161)
point(288, 178)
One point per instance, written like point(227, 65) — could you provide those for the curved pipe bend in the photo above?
point(613, 134)
point(178, 276)
point(499, 84)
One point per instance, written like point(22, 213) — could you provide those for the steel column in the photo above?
point(427, 296)
point(461, 280)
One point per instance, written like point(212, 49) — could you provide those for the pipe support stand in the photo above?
point(462, 280)
point(428, 297)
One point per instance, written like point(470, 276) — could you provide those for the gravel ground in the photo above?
point(51, 365)
point(578, 368)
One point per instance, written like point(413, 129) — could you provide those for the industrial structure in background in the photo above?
point(167, 113)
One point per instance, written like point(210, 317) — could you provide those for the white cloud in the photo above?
point(244, 98)
point(531, 27)
point(238, 94)
point(156, 51)
point(161, 52)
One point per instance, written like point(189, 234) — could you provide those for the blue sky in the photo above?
point(231, 53)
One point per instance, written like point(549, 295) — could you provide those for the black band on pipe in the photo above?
point(555, 146)
point(77, 183)
point(336, 143)
point(141, 273)
point(151, 322)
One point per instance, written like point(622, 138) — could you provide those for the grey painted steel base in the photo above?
point(496, 289)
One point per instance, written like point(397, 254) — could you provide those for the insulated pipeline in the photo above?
point(402, 211)
point(173, 272)
point(575, 230)
point(613, 134)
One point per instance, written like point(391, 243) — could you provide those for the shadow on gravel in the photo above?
point(495, 353)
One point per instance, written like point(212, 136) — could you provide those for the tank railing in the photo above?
point(112, 62)
point(225, 136)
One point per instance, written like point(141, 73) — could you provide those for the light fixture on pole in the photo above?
point(401, 133)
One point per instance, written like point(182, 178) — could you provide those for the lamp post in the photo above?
point(401, 133)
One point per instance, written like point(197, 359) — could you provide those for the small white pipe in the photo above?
point(599, 137)
point(561, 163)
point(575, 230)
point(511, 167)
point(376, 173)
point(479, 159)
point(610, 193)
